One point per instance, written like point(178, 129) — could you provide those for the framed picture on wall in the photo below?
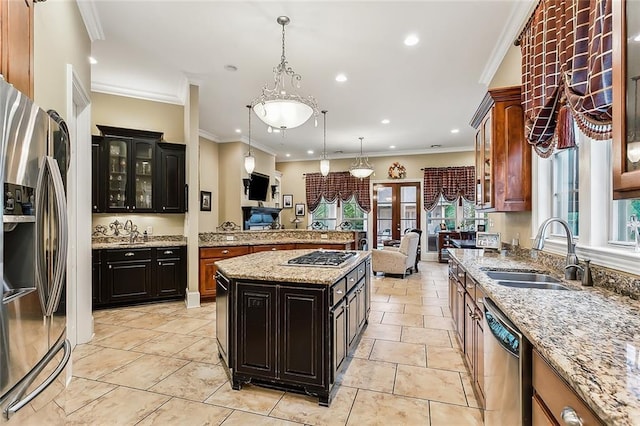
point(205, 201)
point(287, 201)
point(481, 228)
point(299, 209)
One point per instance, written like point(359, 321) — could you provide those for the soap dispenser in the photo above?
point(587, 278)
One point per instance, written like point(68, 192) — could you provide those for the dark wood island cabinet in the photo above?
point(289, 327)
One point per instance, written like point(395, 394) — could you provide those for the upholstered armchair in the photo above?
point(398, 260)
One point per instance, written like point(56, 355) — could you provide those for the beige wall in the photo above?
point(209, 182)
point(510, 71)
point(231, 172)
point(122, 111)
point(60, 38)
point(131, 113)
point(293, 172)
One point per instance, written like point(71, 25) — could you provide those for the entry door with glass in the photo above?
point(396, 208)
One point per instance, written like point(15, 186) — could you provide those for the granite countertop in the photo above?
point(272, 266)
point(123, 242)
point(591, 336)
point(270, 242)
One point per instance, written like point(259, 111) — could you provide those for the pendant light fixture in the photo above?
point(278, 108)
point(249, 159)
point(325, 165)
point(361, 167)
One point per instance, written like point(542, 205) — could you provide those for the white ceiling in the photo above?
point(151, 49)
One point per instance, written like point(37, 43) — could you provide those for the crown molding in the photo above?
point(91, 19)
point(384, 154)
point(135, 93)
point(254, 144)
point(520, 13)
point(208, 135)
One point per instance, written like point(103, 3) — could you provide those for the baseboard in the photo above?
point(193, 299)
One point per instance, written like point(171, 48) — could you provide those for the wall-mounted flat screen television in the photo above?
point(258, 187)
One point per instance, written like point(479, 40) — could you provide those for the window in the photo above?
point(622, 212)
point(454, 217)
point(565, 190)
point(329, 214)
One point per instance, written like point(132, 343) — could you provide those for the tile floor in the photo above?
point(158, 365)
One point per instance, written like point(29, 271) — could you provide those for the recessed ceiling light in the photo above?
point(411, 40)
point(231, 68)
point(238, 131)
point(92, 60)
point(341, 78)
point(386, 121)
point(310, 152)
point(436, 145)
point(392, 147)
point(455, 130)
point(287, 155)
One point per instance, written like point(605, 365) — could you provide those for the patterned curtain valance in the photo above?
point(337, 185)
point(566, 72)
point(450, 182)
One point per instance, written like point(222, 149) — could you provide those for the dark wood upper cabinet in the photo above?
point(134, 172)
point(626, 100)
point(16, 44)
point(503, 156)
point(171, 178)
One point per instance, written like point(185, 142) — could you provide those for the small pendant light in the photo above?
point(249, 159)
point(325, 165)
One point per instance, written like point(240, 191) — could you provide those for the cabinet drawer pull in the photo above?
point(160, 263)
point(225, 251)
point(168, 252)
point(570, 417)
point(129, 254)
point(164, 208)
point(273, 249)
point(352, 279)
point(470, 287)
point(133, 208)
point(461, 274)
point(460, 291)
point(110, 266)
point(339, 292)
point(95, 207)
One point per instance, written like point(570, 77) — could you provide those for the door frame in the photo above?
point(374, 208)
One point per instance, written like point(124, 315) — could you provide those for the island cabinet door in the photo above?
point(339, 337)
point(256, 329)
point(302, 334)
point(352, 317)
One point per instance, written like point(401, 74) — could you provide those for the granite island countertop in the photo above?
point(591, 336)
point(204, 244)
point(272, 266)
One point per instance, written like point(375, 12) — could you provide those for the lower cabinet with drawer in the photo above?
point(208, 258)
point(130, 276)
point(554, 402)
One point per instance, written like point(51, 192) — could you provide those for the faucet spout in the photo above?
point(571, 263)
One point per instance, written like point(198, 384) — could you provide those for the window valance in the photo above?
point(450, 182)
point(337, 186)
point(567, 72)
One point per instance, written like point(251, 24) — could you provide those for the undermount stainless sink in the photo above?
point(531, 277)
point(528, 284)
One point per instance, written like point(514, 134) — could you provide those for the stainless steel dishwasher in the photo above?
point(507, 370)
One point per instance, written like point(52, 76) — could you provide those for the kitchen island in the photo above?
point(290, 327)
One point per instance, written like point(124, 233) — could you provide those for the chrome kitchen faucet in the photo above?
point(571, 264)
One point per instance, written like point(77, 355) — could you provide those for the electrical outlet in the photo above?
point(149, 230)
point(230, 238)
point(324, 236)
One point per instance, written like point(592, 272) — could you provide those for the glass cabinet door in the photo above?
point(117, 177)
point(144, 170)
point(626, 99)
point(487, 198)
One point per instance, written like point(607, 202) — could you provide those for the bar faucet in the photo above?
point(133, 231)
point(571, 264)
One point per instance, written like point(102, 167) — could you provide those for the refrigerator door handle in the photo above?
point(62, 234)
point(18, 403)
point(41, 273)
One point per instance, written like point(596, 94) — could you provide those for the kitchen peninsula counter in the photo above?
point(589, 336)
point(273, 237)
point(288, 326)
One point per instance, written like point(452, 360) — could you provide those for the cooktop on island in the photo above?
point(323, 258)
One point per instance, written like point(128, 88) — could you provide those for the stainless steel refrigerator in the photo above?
point(34, 152)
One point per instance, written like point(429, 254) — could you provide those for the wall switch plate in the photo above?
point(230, 238)
point(324, 236)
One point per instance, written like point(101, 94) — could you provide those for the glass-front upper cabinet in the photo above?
point(144, 171)
point(117, 172)
point(626, 99)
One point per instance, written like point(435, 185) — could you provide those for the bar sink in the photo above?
point(529, 277)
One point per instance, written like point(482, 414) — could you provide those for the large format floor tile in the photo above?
point(158, 364)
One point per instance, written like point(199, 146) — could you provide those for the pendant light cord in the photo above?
point(249, 108)
point(324, 143)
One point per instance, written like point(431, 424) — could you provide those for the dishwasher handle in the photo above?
point(502, 329)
